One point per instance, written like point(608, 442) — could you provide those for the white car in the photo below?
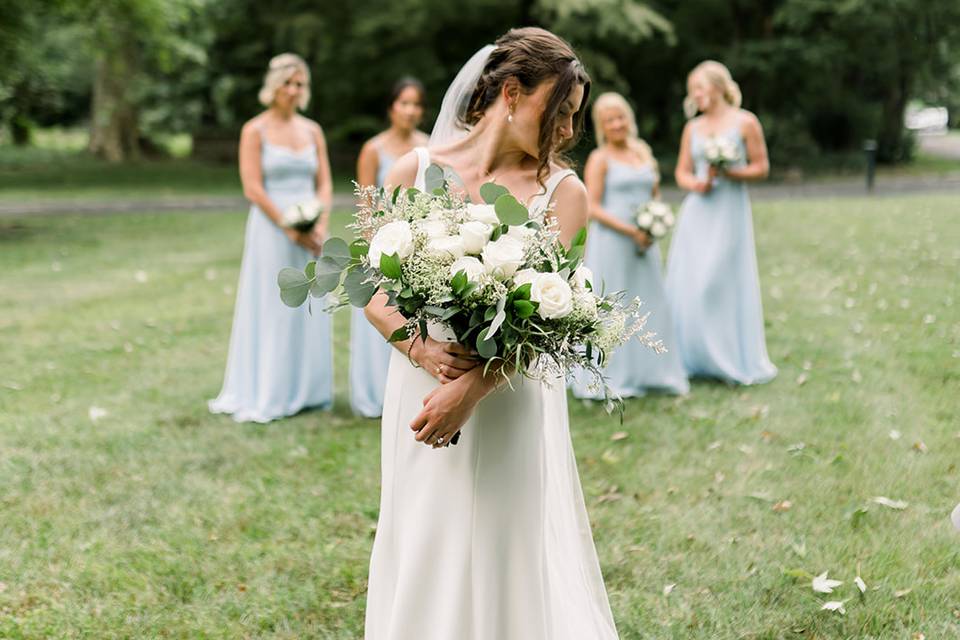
point(927, 119)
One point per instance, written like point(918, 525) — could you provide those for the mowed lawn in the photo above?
point(128, 511)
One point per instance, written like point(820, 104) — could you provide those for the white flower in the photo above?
point(433, 227)
point(658, 230)
point(483, 213)
point(447, 245)
point(473, 268)
point(582, 276)
point(475, 235)
point(520, 232)
point(392, 238)
point(821, 584)
point(668, 219)
point(645, 219)
point(657, 208)
point(524, 276)
point(302, 212)
point(503, 257)
point(834, 605)
point(554, 295)
point(860, 584)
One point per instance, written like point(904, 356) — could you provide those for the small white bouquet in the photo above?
point(720, 152)
point(656, 219)
point(489, 275)
point(303, 215)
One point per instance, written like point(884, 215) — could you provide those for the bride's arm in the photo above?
point(445, 361)
point(447, 408)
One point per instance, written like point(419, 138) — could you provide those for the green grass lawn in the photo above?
point(128, 511)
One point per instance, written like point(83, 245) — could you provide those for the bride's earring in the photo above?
point(510, 115)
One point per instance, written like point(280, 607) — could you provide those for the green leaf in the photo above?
point(294, 286)
point(336, 249)
point(390, 266)
point(434, 310)
point(487, 348)
point(489, 313)
point(328, 272)
point(580, 240)
point(358, 291)
point(510, 211)
point(458, 282)
point(412, 194)
point(359, 248)
point(433, 178)
point(523, 308)
point(396, 194)
point(450, 312)
point(490, 191)
point(495, 325)
point(523, 291)
point(399, 334)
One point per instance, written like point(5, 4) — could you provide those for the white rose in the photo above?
point(658, 230)
point(521, 232)
point(447, 245)
point(582, 276)
point(483, 213)
point(658, 209)
point(433, 227)
point(302, 212)
point(645, 219)
point(668, 219)
point(470, 265)
point(475, 235)
point(392, 238)
point(524, 276)
point(503, 257)
point(554, 295)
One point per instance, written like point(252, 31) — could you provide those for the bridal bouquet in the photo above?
point(489, 275)
point(303, 215)
point(655, 218)
point(720, 151)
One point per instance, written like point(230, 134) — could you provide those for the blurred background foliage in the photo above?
point(823, 75)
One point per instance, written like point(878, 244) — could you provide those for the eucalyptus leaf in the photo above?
point(399, 334)
point(433, 178)
point(490, 191)
point(510, 211)
point(294, 286)
point(337, 250)
point(328, 272)
point(495, 325)
point(359, 291)
point(487, 348)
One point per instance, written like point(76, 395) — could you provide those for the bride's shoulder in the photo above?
point(570, 197)
point(404, 170)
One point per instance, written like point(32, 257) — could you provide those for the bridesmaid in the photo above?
point(280, 359)
point(712, 279)
point(621, 176)
point(369, 352)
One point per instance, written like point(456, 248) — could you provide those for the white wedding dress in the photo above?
point(487, 539)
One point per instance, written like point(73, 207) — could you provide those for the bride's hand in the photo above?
point(447, 408)
point(445, 361)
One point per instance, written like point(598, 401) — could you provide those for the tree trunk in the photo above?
point(893, 144)
point(114, 130)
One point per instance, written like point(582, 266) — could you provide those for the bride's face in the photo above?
point(530, 113)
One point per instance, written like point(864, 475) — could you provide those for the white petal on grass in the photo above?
point(894, 434)
point(96, 413)
point(823, 584)
point(802, 379)
point(884, 501)
point(619, 435)
point(860, 584)
point(140, 276)
point(902, 592)
point(667, 589)
point(834, 605)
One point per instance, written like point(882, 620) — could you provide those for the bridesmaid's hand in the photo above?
point(319, 234)
point(305, 240)
point(445, 361)
point(703, 186)
point(642, 239)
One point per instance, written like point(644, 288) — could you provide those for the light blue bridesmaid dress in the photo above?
point(712, 280)
point(369, 352)
point(280, 359)
point(633, 369)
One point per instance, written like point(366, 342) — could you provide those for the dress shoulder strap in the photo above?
point(423, 161)
point(544, 199)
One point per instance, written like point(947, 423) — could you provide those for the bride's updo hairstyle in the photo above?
point(533, 56)
point(717, 74)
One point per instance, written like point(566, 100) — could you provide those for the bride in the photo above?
point(488, 539)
